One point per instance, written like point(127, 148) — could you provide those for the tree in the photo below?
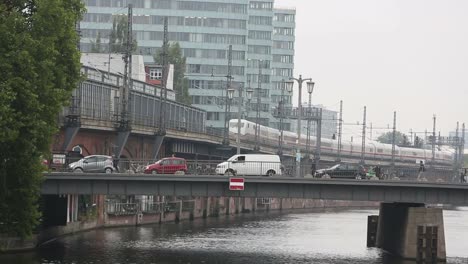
point(181, 84)
point(96, 45)
point(40, 67)
point(400, 139)
point(118, 35)
point(418, 142)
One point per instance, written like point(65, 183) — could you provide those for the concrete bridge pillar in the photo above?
point(411, 231)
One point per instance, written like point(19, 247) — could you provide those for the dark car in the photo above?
point(167, 166)
point(343, 171)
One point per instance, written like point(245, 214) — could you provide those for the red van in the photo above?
point(167, 166)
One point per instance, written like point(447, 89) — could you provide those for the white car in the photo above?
point(251, 165)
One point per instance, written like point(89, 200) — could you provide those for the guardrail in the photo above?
point(245, 168)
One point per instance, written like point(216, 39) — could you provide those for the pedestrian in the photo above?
point(421, 169)
point(313, 169)
point(421, 166)
point(377, 171)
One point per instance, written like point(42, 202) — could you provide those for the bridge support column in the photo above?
point(122, 138)
point(412, 231)
point(158, 140)
point(70, 133)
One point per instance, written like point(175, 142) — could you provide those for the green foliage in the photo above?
point(181, 84)
point(118, 35)
point(400, 139)
point(96, 45)
point(40, 66)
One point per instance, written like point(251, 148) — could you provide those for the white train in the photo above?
point(374, 150)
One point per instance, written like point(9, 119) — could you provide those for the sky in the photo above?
point(408, 56)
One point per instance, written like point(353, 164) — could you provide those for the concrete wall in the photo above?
point(398, 226)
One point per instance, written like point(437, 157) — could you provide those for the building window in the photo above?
point(212, 116)
point(155, 74)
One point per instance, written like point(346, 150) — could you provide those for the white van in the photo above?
point(251, 164)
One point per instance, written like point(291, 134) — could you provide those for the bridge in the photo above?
point(280, 187)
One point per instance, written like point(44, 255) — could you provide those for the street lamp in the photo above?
point(288, 86)
point(310, 89)
point(249, 98)
point(227, 113)
point(299, 115)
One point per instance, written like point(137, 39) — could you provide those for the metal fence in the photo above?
point(114, 207)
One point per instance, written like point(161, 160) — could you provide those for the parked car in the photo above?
point(170, 165)
point(343, 171)
point(251, 164)
point(93, 163)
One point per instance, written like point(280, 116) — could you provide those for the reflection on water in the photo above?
point(320, 237)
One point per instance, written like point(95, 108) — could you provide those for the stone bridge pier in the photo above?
point(410, 230)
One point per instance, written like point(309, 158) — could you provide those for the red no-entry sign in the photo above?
point(236, 184)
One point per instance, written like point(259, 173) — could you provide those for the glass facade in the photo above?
point(261, 36)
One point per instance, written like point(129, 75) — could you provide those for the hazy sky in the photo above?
point(409, 56)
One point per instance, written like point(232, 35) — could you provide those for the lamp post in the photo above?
point(239, 113)
point(310, 89)
point(249, 98)
point(257, 120)
point(299, 115)
point(288, 87)
point(230, 94)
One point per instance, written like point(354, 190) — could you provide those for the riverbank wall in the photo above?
point(172, 209)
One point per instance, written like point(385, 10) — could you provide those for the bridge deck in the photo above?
point(282, 187)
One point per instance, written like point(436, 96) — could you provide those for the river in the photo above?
point(327, 236)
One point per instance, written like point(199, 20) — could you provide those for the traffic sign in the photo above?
point(236, 184)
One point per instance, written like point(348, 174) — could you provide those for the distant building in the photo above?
point(113, 63)
point(260, 35)
point(154, 73)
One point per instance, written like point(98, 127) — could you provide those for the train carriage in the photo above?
point(373, 150)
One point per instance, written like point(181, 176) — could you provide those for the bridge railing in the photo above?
point(246, 168)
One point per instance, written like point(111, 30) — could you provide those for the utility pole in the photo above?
point(393, 141)
point(411, 133)
point(456, 146)
point(227, 111)
point(163, 93)
point(340, 128)
point(439, 141)
point(318, 149)
point(461, 150)
point(257, 120)
point(363, 147)
point(128, 68)
point(433, 141)
point(161, 133)
point(123, 125)
point(239, 114)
